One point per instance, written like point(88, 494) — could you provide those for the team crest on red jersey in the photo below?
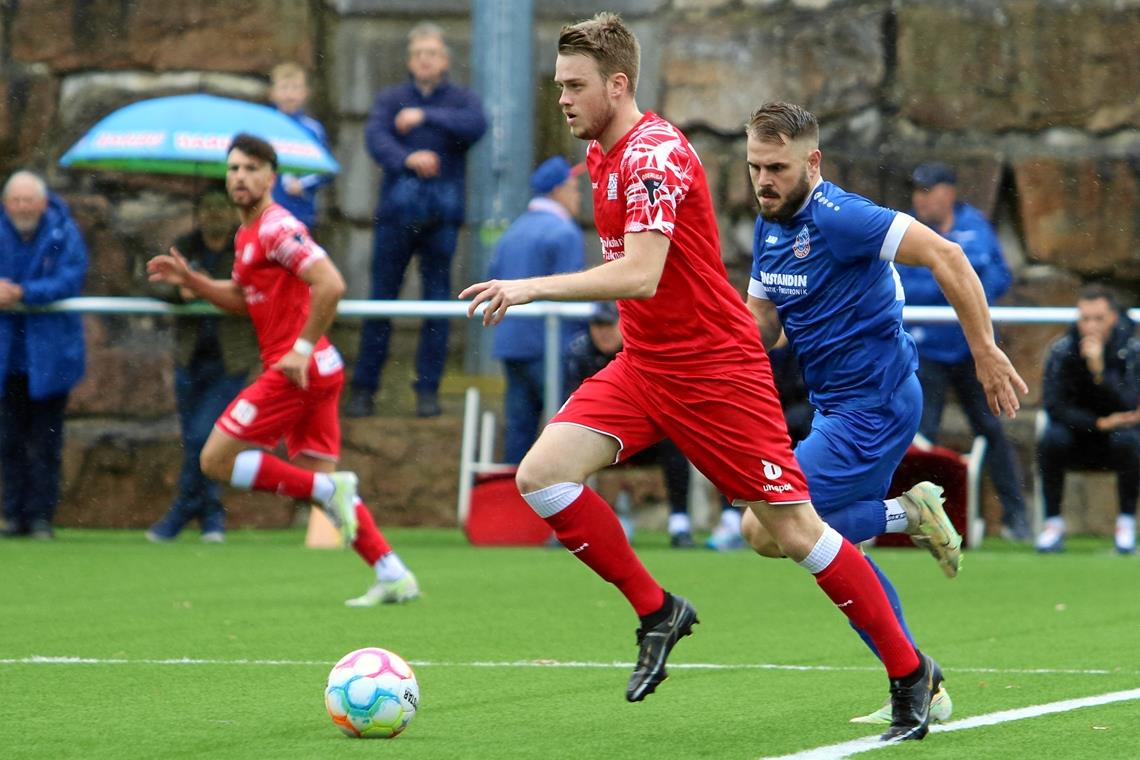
point(652, 179)
point(802, 245)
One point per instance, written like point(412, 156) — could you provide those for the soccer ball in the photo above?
point(372, 693)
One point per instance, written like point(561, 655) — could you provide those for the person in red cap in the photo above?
point(545, 239)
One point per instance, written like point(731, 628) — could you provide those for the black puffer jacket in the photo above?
point(1073, 398)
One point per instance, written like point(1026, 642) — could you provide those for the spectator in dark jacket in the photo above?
point(1091, 393)
point(42, 259)
point(945, 362)
point(544, 240)
point(213, 357)
point(419, 132)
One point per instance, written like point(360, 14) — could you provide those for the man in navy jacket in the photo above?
point(944, 356)
point(42, 259)
point(419, 133)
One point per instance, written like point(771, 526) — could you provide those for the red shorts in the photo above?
point(274, 408)
point(729, 424)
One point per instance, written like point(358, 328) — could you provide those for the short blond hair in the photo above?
point(288, 70)
point(607, 40)
point(776, 120)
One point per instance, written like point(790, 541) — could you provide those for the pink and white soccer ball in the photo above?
point(372, 694)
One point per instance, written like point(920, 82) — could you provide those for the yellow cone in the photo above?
point(322, 534)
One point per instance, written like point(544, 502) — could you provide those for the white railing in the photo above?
point(552, 312)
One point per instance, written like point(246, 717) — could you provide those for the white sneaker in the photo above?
point(941, 708)
point(1126, 534)
point(341, 508)
point(213, 537)
point(396, 592)
point(1051, 539)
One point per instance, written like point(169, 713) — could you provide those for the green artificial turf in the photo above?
point(523, 653)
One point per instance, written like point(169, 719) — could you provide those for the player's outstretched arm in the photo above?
point(635, 275)
point(173, 269)
point(921, 246)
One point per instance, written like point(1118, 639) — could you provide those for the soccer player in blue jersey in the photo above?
point(823, 277)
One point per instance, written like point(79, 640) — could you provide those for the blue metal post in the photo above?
point(503, 67)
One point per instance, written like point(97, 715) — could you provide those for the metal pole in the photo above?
point(503, 67)
point(552, 388)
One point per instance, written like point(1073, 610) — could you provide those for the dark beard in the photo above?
point(791, 204)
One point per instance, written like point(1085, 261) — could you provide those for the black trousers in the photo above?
point(31, 452)
point(1063, 449)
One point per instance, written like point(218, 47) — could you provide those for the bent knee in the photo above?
point(758, 537)
point(214, 465)
point(534, 476)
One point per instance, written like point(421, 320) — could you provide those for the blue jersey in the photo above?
point(829, 272)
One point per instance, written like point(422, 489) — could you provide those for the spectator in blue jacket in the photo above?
point(289, 92)
point(419, 133)
point(545, 240)
point(42, 259)
point(944, 356)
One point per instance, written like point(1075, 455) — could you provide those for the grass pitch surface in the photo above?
point(186, 651)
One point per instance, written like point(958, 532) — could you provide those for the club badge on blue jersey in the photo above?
point(802, 245)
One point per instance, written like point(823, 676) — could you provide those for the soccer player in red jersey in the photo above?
point(692, 370)
point(290, 288)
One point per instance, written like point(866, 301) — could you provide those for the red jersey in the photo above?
point(652, 179)
point(270, 255)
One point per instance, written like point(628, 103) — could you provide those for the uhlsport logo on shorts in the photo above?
point(773, 472)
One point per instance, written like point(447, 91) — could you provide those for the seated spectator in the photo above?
point(1091, 391)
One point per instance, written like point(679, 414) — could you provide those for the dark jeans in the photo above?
point(522, 406)
point(202, 392)
point(393, 246)
point(1001, 462)
point(1063, 449)
point(31, 451)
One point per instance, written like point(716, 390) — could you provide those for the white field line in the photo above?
point(543, 663)
point(869, 743)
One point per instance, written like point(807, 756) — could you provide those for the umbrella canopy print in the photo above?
point(189, 134)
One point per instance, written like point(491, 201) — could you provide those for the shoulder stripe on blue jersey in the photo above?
point(894, 236)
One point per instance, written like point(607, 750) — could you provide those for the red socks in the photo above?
point(280, 477)
point(851, 583)
point(370, 543)
point(590, 530)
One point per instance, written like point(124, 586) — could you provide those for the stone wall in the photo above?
point(1036, 103)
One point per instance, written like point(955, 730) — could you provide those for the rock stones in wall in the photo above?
point(718, 73)
point(250, 36)
point(1018, 65)
point(1081, 214)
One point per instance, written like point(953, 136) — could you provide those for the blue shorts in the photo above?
point(851, 456)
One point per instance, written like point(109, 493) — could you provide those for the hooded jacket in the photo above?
point(52, 265)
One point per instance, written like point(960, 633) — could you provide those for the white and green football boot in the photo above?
point(941, 708)
point(929, 526)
